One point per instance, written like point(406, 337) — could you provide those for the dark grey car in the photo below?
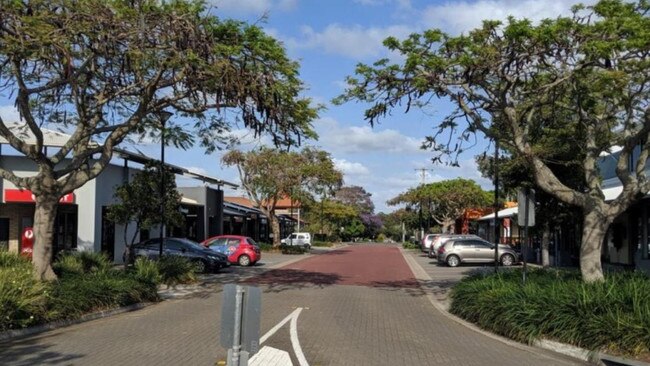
point(457, 251)
point(204, 259)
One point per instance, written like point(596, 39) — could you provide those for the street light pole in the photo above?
point(163, 116)
point(496, 205)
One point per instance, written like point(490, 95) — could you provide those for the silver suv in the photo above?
point(457, 251)
point(441, 239)
point(427, 240)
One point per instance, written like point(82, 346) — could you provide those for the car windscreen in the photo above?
point(191, 244)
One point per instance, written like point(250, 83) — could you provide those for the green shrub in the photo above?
point(381, 238)
point(322, 244)
point(22, 298)
point(78, 263)
point(175, 270)
point(409, 245)
point(613, 315)
point(74, 296)
point(292, 249)
point(147, 271)
point(266, 247)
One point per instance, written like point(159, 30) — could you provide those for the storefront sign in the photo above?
point(27, 242)
point(26, 196)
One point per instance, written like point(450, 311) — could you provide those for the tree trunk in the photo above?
point(44, 217)
point(594, 230)
point(546, 239)
point(275, 227)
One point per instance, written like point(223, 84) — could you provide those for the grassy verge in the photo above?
point(612, 316)
point(86, 283)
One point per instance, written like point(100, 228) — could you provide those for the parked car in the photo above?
point(241, 250)
point(298, 239)
point(441, 239)
point(457, 251)
point(204, 259)
point(425, 244)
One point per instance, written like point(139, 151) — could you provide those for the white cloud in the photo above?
point(350, 168)
point(9, 114)
point(363, 139)
point(351, 41)
point(461, 16)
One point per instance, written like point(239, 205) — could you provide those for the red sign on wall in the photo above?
point(27, 242)
point(25, 195)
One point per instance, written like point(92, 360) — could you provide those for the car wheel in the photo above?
point(507, 260)
point(199, 266)
point(244, 260)
point(453, 261)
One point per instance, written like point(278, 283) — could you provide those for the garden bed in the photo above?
point(87, 283)
point(612, 316)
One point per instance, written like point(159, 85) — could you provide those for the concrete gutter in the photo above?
point(596, 358)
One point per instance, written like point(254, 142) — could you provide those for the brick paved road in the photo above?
point(362, 306)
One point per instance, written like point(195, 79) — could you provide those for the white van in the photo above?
point(298, 239)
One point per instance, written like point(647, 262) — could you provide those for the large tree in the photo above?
point(269, 175)
point(507, 80)
point(101, 70)
point(357, 197)
point(444, 201)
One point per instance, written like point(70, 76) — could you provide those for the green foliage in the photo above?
point(444, 201)
point(409, 245)
point(292, 249)
point(353, 229)
point(85, 284)
point(176, 270)
point(22, 298)
point(381, 238)
point(326, 244)
point(613, 315)
point(75, 295)
point(269, 175)
point(79, 263)
point(140, 201)
point(266, 247)
point(147, 271)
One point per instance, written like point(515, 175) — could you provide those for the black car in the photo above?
point(205, 259)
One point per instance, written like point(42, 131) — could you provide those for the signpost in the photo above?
point(240, 322)
point(525, 218)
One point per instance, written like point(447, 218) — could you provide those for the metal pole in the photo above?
point(162, 187)
point(236, 336)
point(496, 205)
point(524, 248)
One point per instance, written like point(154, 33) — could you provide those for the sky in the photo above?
point(328, 38)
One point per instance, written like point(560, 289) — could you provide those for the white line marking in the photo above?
point(279, 325)
point(294, 339)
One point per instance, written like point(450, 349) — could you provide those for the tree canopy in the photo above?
point(269, 175)
point(508, 81)
point(106, 70)
point(357, 197)
point(445, 201)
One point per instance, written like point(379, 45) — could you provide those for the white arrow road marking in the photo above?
point(294, 339)
point(293, 317)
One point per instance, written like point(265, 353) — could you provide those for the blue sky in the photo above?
point(329, 38)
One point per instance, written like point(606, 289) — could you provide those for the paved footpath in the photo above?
point(359, 305)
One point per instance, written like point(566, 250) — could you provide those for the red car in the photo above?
point(239, 249)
